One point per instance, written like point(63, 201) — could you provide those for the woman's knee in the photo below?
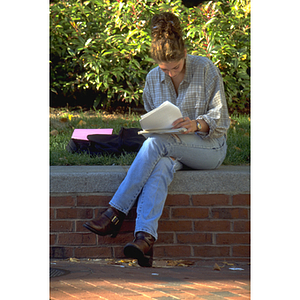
point(165, 162)
point(156, 142)
point(169, 164)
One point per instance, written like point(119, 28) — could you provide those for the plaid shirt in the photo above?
point(200, 94)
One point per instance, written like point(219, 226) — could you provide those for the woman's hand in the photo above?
point(190, 125)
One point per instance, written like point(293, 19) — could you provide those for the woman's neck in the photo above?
point(178, 79)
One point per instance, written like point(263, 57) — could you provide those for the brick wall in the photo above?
point(206, 226)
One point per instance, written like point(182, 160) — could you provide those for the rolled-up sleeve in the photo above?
point(216, 115)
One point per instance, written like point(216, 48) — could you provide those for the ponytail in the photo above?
point(167, 44)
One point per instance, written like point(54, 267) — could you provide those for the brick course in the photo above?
point(207, 226)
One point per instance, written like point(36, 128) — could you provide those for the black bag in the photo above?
point(128, 140)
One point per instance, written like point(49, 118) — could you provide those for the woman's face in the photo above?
point(174, 68)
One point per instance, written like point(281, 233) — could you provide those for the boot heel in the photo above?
point(118, 225)
point(115, 233)
point(147, 260)
point(141, 249)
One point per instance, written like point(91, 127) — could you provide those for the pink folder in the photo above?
point(81, 134)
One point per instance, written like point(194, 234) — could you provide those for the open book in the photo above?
point(160, 119)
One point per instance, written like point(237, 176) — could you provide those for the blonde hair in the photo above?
point(167, 44)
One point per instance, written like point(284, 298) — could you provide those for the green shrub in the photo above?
point(103, 46)
point(223, 35)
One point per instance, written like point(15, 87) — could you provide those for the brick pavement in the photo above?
point(113, 279)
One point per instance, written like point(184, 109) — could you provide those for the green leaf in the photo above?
point(131, 33)
point(71, 52)
point(81, 39)
point(134, 61)
point(210, 21)
point(87, 42)
point(235, 62)
point(243, 75)
point(107, 53)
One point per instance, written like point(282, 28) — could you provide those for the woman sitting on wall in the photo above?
point(195, 85)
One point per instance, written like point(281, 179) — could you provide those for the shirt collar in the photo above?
point(187, 76)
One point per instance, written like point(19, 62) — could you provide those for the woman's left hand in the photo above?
point(187, 123)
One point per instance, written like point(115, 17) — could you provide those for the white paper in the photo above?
point(161, 117)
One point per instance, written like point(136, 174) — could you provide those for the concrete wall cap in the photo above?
point(106, 179)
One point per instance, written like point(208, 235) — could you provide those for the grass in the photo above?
point(238, 141)
point(63, 122)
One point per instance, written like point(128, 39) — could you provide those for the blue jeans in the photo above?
point(153, 169)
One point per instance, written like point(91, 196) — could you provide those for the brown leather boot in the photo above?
point(141, 249)
point(109, 222)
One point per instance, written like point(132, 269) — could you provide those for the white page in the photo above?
point(161, 117)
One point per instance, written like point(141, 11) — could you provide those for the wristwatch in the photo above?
point(199, 127)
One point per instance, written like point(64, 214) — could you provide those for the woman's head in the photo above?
point(167, 43)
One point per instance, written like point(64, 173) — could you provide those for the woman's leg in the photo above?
point(152, 198)
point(193, 152)
point(198, 153)
point(139, 172)
point(149, 209)
point(152, 171)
